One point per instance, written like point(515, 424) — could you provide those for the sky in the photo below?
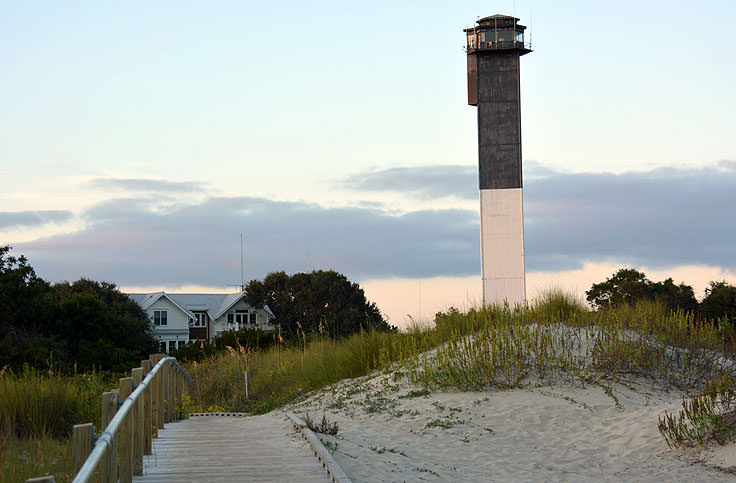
point(138, 140)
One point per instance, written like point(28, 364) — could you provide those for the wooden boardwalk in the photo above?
point(226, 448)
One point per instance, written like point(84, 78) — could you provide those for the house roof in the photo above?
point(215, 304)
point(145, 300)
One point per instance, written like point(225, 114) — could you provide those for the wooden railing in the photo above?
point(132, 416)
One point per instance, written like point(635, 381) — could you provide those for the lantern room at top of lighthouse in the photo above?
point(497, 32)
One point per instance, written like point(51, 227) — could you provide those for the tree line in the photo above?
point(630, 286)
point(88, 324)
point(69, 326)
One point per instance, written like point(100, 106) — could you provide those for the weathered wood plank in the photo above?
point(257, 448)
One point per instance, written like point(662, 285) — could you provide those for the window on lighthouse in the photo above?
point(505, 35)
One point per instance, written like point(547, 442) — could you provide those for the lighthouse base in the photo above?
point(502, 247)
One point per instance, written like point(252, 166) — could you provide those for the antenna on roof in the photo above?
point(531, 22)
point(242, 268)
point(242, 265)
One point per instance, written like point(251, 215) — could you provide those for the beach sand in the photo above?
point(390, 430)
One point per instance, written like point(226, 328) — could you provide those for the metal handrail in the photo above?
point(106, 438)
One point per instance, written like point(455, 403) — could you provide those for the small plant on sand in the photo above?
point(445, 423)
point(415, 393)
point(331, 446)
point(708, 415)
point(426, 470)
point(324, 426)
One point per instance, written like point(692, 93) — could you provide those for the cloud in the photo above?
point(424, 182)
point(431, 182)
point(130, 241)
point(26, 219)
point(146, 185)
point(659, 218)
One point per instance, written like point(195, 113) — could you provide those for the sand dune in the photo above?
point(391, 430)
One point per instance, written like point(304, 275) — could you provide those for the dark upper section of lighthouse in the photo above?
point(497, 32)
point(494, 48)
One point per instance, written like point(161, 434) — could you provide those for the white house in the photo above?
point(179, 318)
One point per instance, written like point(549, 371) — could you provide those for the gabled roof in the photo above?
point(215, 304)
point(145, 300)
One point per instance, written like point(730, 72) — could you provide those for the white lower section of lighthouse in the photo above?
point(502, 247)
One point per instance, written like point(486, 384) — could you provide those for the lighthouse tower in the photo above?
point(494, 47)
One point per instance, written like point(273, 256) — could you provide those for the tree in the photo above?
point(719, 302)
point(102, 325)
point(629, 286)
point(82, 324)
point(320, 301)
point(625, 287)
point(674, 296)
point(23, 296)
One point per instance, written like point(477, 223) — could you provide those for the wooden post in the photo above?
point(172, 404)
point(184, 385)
point(109, 466)
point(147, 411)
point(176, 393)
point(175, 374)
point(126, 435)
point(154, 397)
point(179, 394)
point(137, 374)
point(81, 444)
point(158, 398)
point(247, 384)
point(172, 396)
point(165, 391)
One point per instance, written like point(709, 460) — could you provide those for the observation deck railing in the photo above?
point(498, 45)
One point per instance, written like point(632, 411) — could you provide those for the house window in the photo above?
point(201, 319)
point(231, 318)
point(162, 346)
point(253, 318)
point(160, 317)
point(172, 345)
point(241, 317)
point(179, 344)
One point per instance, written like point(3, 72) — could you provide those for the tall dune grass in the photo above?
point(285, 372)
point(23, 458)
point(35, 402)
point(558, 338)
point(37, 412)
